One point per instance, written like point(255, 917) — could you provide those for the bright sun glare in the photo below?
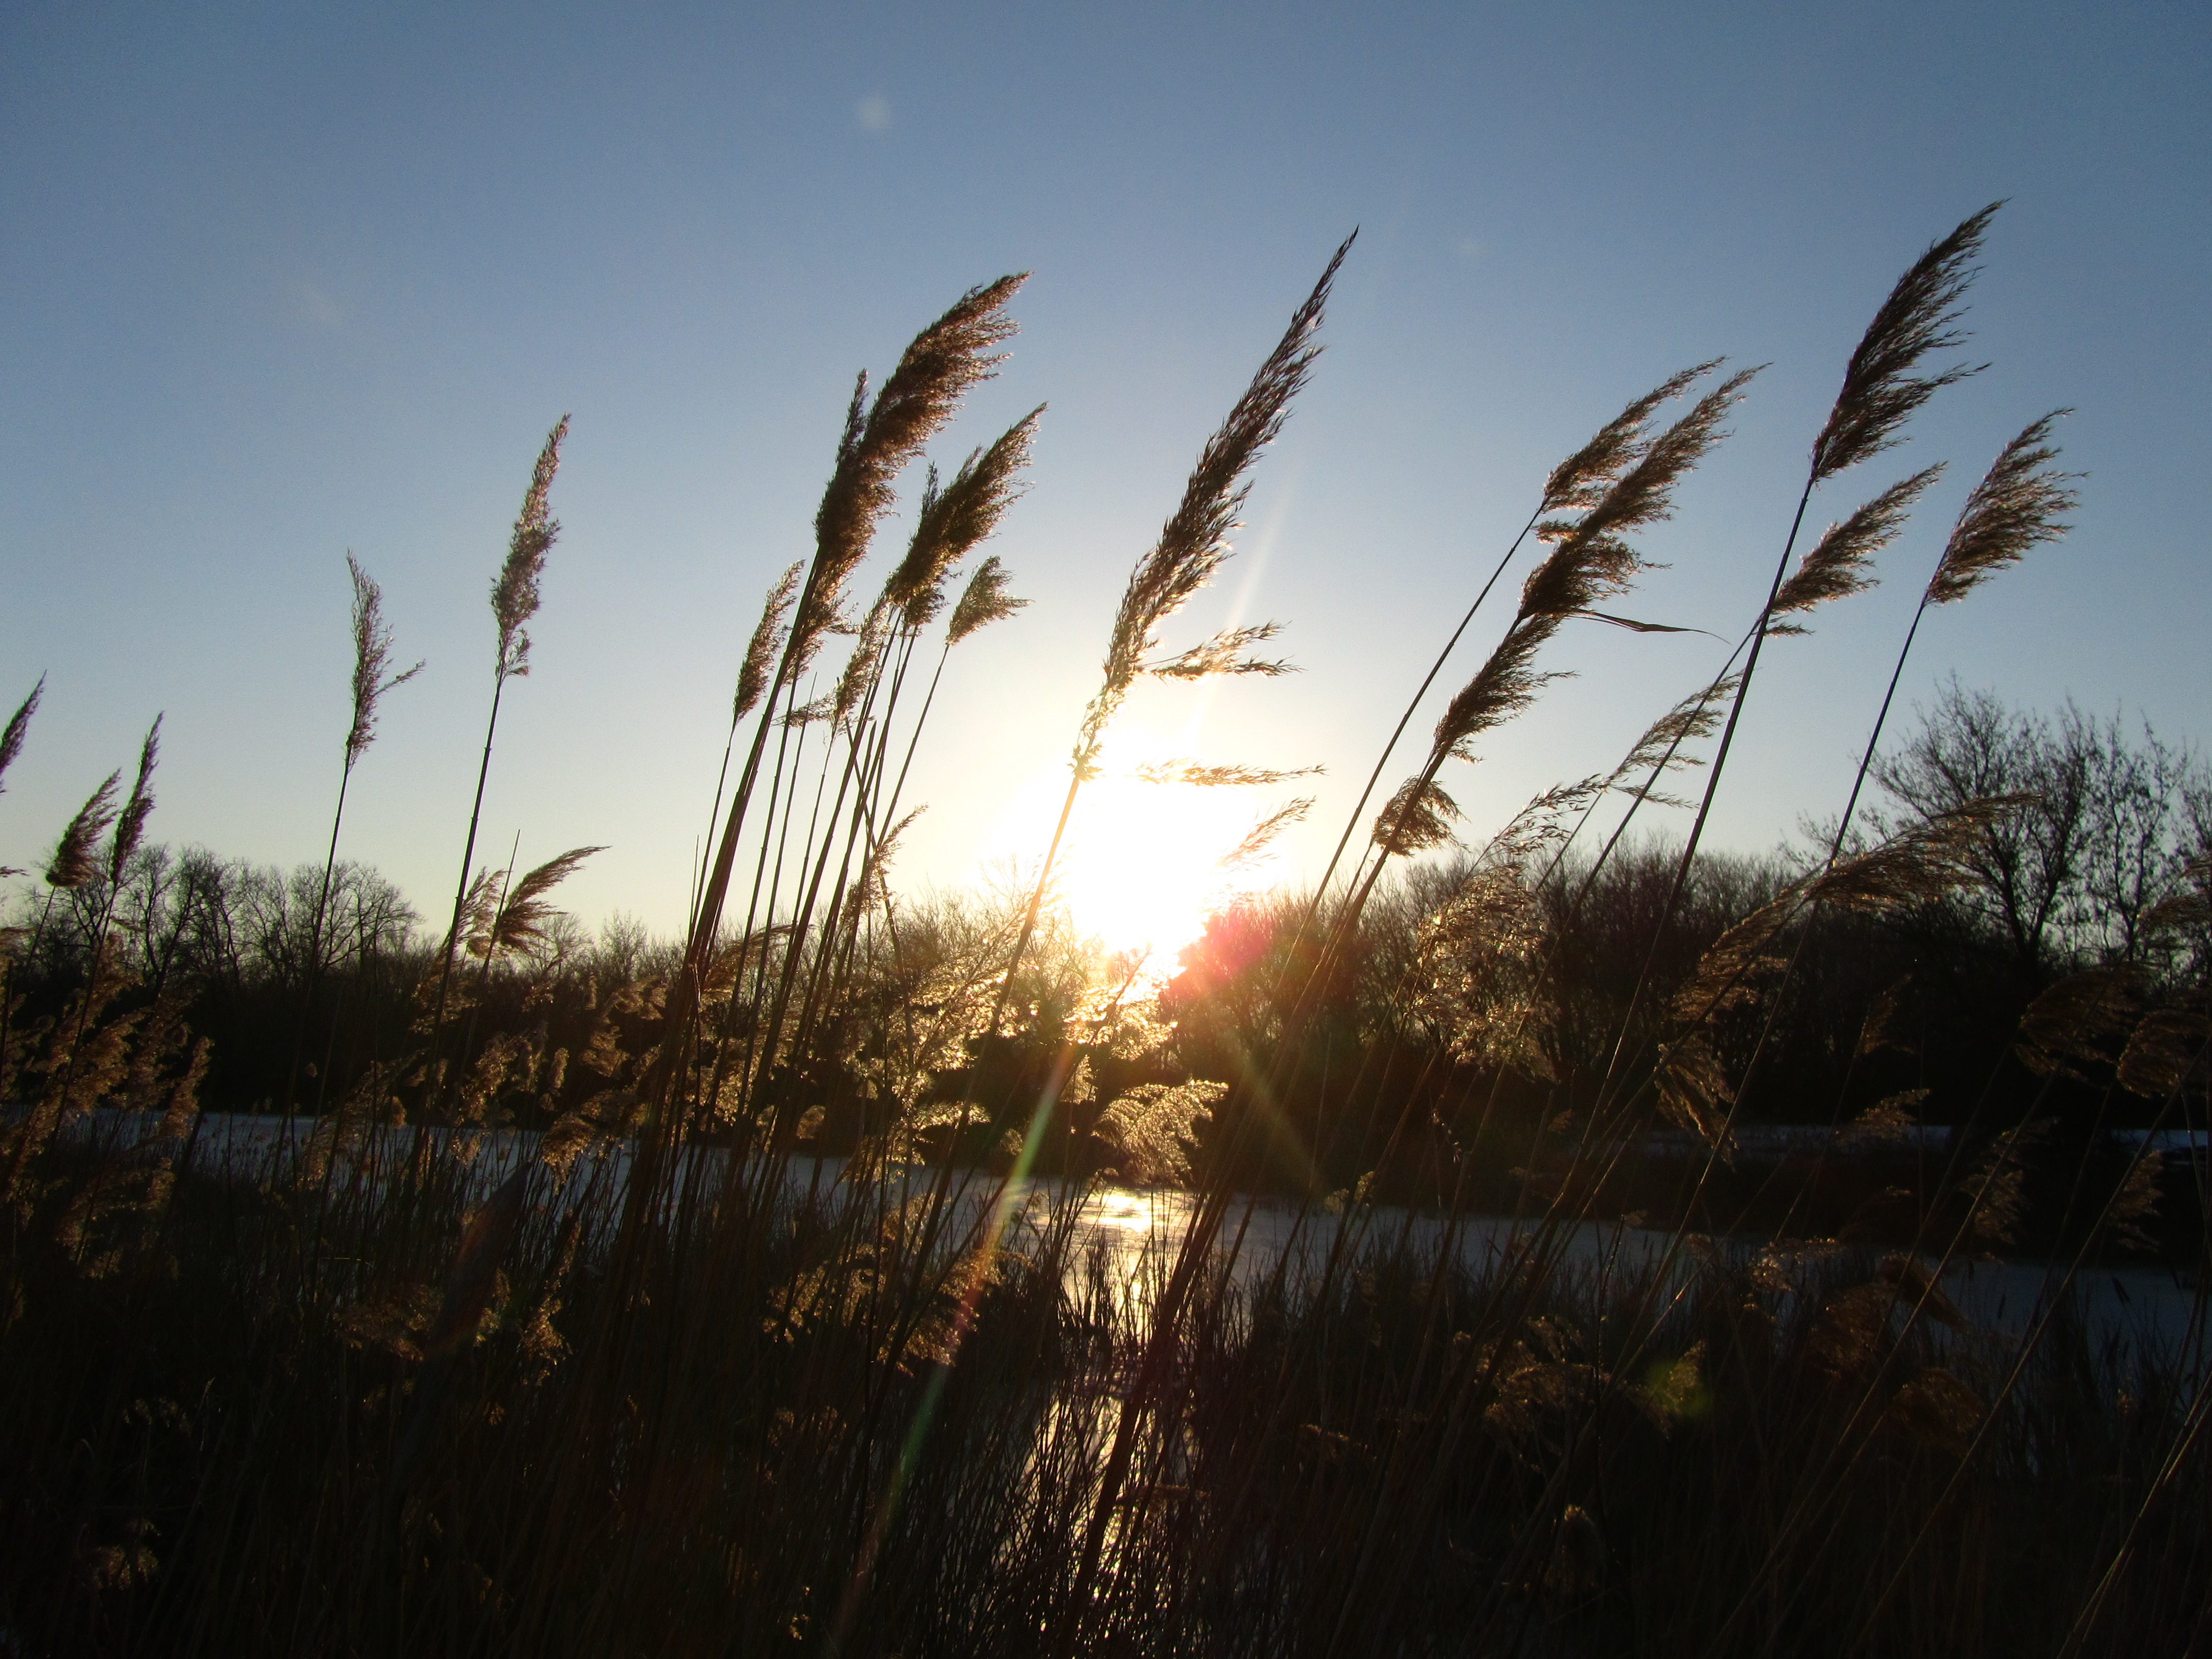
point(1142, 864)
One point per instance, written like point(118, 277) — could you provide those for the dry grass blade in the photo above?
point(1195, 540)
point(73, 864)
point(766, 641)
point(1840, 565)
point(937, 369)
point(2017, 506)
point(956, 519)
point(371, 660)
point(983, 602)
point(521, 917)
point(19, 725)
point(1419, 817)
point(131, 823)
point(515, 595)
point(1582, 480)
point(1880, 391)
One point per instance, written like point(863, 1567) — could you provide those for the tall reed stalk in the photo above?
point(372, 676)
point(514, 600)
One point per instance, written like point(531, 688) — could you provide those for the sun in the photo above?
point(1143, 867)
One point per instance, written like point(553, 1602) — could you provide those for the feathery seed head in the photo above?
point(860, 671)
point(502, 926)
point(372, 659)
point(1262, 833)
point(72, 864)
point(983, 602)
point(1589, 562)
point(1584, 477)
point(1880, 391)
point(956, 518)
point(131, 823)
point(1418, 817)
point(767, 640)
point(19, 725)
point(1194, 542)
point(515, 595)
point(2017, 506)
point(1840, 565)
point(944, 361)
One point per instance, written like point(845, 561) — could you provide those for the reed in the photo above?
point(515, 596)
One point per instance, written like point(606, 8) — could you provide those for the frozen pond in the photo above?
point(1134, 1233)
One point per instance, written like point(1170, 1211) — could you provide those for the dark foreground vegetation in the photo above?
point(638, 1400)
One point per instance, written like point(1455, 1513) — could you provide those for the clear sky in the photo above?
point(281, 280)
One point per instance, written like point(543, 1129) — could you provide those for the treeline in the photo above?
point(1449, 1021)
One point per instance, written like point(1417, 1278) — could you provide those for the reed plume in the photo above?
point(18, 727)
point(1210, 777)
point(372, 661)
point(1579, 482)
point(131, 821)
point(767, 641)
point(1881, 391)
point(956, 519)
point(1841, 563)
point(372, 676)
point(983, 602)
point(514, 601)
point(514, 593)
point(2016, 506)
point(1262, 834)
point(1195, 540)
point(73, 863)
point(939, 369)
point(519, 920)
point(1590, 560)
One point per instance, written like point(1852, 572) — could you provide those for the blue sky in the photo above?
point(278, 281)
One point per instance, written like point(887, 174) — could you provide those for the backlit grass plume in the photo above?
point(74, 862)
point(939, 369)
point(1881, 391)
point(519, 920)
point(514, 601)
point(1195, 540)
point(372, 661)
point(18, 728)
point(1577, 483)
point(956, 517)
point(1590, 560)
point(514, 594)
point(1840, 562)
point(767, 641)
point(131, 821)
point(2018, 505)
point(983, 602)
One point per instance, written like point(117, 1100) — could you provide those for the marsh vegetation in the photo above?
point(635, 1398)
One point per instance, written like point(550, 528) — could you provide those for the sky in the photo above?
point(280, 280)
